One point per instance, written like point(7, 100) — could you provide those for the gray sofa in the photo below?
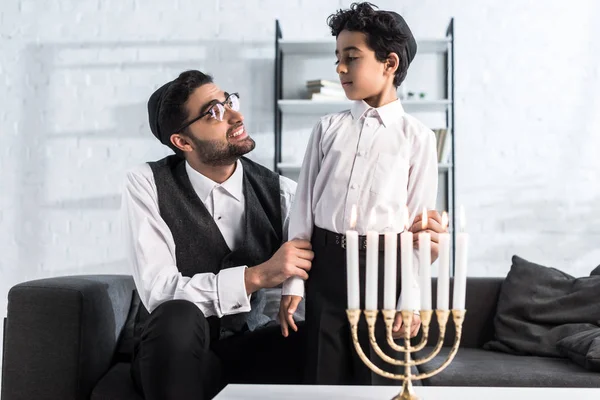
point(71, 338)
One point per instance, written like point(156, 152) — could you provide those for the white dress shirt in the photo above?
point(151, 248)
point(379, 159)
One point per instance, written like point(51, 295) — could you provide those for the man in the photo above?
point(206, 231)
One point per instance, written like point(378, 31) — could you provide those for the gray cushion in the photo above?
point(116, 385)
point(476, 367)
point(583, 348)
point(538, 306)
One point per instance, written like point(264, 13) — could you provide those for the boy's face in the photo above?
point(361, 74)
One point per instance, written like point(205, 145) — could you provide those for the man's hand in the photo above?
point(398, 329)
point(294, 258)
point(287, 308)
point(434, 227)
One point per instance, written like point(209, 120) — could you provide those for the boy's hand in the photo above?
point(398, 329)
point(434, 227)
point(287, 308)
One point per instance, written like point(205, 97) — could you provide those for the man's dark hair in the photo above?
point(382, 31)
point(172, 110)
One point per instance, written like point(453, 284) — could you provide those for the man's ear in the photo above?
point(182, 142)
point(392, 63)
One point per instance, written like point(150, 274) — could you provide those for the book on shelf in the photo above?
point(323, 83)
point(327, 91)
point(325, 97)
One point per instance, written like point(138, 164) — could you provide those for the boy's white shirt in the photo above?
point(375, 158)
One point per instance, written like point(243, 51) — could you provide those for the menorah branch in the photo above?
point(390, 315)
point(407, 316)
point(458, 316)
point(353, 317)
point(442, 318)
point(371, 317)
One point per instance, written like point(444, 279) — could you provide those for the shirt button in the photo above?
point(353, 186)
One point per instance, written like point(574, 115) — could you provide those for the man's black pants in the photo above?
point(176, 358)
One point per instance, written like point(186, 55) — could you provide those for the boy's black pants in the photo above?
point(332, 358)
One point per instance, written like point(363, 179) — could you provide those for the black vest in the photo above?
point(200, 247)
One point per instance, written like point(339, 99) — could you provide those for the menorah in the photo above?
point(407, 392)
point(408, 303)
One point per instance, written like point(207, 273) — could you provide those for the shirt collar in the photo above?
point(203, 186)
point(388, 113)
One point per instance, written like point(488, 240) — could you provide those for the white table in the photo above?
point(305, 392)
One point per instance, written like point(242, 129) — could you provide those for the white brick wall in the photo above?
point(75, 77)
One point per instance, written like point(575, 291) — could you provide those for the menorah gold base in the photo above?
point(407, 393)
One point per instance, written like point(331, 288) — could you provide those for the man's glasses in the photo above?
point(217, 110)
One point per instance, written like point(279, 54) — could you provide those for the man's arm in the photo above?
point(150, 248)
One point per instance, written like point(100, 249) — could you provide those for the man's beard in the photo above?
point(216, 153)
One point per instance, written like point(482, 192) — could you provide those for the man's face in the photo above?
point(216, 142)
point(361, 74)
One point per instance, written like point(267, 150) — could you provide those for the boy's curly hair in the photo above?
point(381, 29)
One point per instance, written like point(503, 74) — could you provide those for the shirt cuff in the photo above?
point(293, 287)
point(231, 289)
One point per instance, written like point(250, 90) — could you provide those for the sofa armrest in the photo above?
point(61, 335)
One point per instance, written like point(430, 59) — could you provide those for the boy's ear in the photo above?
point(392, 63)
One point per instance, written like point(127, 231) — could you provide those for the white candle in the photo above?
point(372, 265)
point(460, 276)
point(443, 283)
point(406, 257)
point(425, 264)
point(352, 263)
point(391, 268)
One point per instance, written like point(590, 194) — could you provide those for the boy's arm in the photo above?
point(301, 216)
point(422, 189)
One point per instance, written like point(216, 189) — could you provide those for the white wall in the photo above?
point(75, 77)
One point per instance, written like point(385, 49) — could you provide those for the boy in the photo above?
point(374, 156)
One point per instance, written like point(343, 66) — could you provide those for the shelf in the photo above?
point(296, 167)
point(327, 46)
point(289, 166)
point(328, 107)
